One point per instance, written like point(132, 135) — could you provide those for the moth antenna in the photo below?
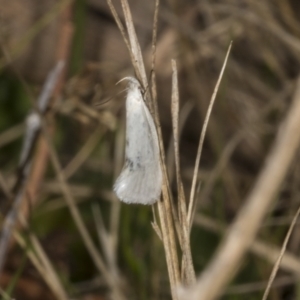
point(110, 98)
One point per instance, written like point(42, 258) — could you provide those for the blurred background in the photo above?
point(86, 125)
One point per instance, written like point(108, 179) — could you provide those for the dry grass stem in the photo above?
point(153, 59)
point(187, 268)
point(105, 240)
point(4, 295)
point(220, 166)
point(74, 148)
point(201, 141)
point(282, 251)
point(164, 207)
point(153, 45)
point(184, 113)
point(243, 230)
point(4, 187)
point(11, 134)
point(41, 263)
point(124, 35)
point(267, 252)
point(111, 281)
point(116, 204)
point(40, 260)
point(252, 287)
point(84, 153)
point(134, 45)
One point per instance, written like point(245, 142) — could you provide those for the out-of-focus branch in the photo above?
point(51, 88)
point(268, 252)
point(33, 124)
point(62, 54)
point(242, 232)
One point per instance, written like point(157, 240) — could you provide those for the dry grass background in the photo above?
point(102, 248)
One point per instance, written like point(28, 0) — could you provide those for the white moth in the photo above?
point(141, 178)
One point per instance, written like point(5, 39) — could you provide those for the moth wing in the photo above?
point(141, 178)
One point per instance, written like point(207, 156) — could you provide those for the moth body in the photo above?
point(141, 178)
